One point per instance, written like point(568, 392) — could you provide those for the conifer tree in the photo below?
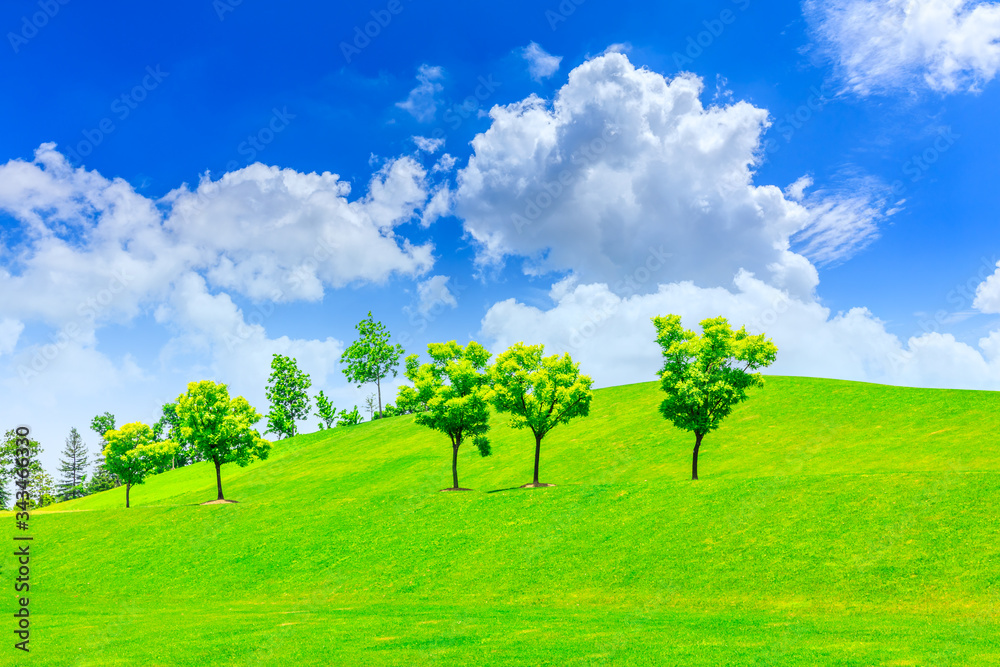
point(73, 466)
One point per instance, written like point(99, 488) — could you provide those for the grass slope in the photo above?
point(835, 523)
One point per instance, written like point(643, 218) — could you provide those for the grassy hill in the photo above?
point(835, 523)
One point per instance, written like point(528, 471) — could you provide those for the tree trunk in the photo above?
point(378, 384)
point(454, 465)
point(218, 478)
point(128, 487)
point(538, 451)
point(694, 461)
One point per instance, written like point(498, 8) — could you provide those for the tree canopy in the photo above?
point(132, 453)
point(706, 375)
point(538, 392)
point(220, 428)
point(371, 358)
point(455, 389)
point(326, 411)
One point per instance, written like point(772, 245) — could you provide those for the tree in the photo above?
point(167, 427)
point(132, 453)
point(102, 480)
point(371, 358)
point(325, 411)
point(43, 489)
point(538, 392)
point(455, 389)
point(220, 428)
point(370, 405)
point(286, 392)
point(351, 418)
point(705, 376)
point(8, 464)
point(100, 425)
point(73, 467)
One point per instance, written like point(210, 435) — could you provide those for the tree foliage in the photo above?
point(131, 453)
point(706, 375)
point(100, 425)
point(8, 463)
point(220, 428)
point(455, 388)
point(326, 411)
point(286, 392)
point(168, 427)
point(73, 466)
point(538, 392)
point(371, 358)
point(352, 418)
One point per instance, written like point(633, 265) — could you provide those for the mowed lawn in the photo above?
point(835, 523)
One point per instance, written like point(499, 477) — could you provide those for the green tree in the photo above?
point(220, 428)
point(168, 427)
point(100, 425)
point(351, 418)
point(371, 358)
point(8, 464)
point(325, 411)
point(705, 376)
point(132, 453)
point(538, 392)
point(73, 466)
point(286, 392)
point(455, 388)
point(102, 480)
point(43, 489)
point(370, 406)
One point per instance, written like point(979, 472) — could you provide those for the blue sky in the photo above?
point(221, 181)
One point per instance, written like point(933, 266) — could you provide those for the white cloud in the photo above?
point(613, 339)
point(434, 292)
point(541, 64)
point(624, 167)
point(947, 45)
point(427, 144)
point(10, 331)
point(988, 294)
point(422, 102)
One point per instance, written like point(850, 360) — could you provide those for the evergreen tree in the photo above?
point(73, 466)
point(100, 425)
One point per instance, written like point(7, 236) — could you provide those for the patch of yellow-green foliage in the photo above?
point(834, 523)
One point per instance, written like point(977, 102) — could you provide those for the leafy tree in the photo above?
point(43, 489)
point(286, 392)
point(389, 410)
point(220, 428)
point(705, 376)
point(371, 358)
point(455, 388)
point(351, 418)
point(538, 392)
point(8, 463)
point(407, 402)
point(100, 425)
point(325, 411)
point(73, 467)
point(101, 481)
point(168, 427)
point(132, 453)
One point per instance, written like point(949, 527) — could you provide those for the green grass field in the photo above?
point(835, 523)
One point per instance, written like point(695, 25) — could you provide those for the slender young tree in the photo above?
point(8, 463)
point(455, 388)
point(100, 425)
point(326, 411)
point(538, 392)
point(286, 392)
point(705, 376)
point(220, 428)
point(132, 453)
point(73, 466)
point(371, 358)
point(370, 405)
point(351, 418)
